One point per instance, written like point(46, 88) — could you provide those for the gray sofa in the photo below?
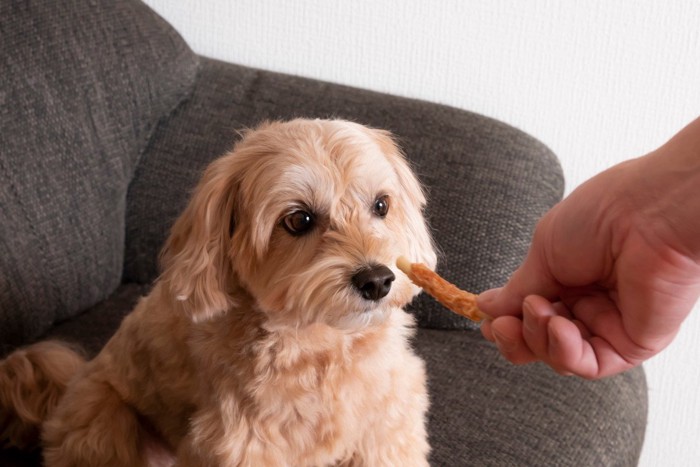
point(107, 118)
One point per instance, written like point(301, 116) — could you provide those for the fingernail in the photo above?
point(554, 341)
point(487, 297)
point(529, 319)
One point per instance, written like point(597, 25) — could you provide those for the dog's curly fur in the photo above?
point(255, 347)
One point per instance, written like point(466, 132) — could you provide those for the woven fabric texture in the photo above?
point(487, 182)
point(484, 411)
point(82, 86)
point(488, 412)
point(107, 120)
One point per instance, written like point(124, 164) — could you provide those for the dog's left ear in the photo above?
point(412, 191)
point(195, 260)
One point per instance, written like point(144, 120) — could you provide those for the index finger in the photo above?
point(531, 278)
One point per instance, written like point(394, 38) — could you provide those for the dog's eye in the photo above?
point(298, 222)
point(381, 206)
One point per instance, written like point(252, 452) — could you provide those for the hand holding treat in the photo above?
point(613, 270)
point(459, 301)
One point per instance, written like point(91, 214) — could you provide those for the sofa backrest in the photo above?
point(82, 86)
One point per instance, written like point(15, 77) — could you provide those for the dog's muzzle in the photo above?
point(373, 282)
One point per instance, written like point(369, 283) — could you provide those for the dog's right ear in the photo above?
point(195, 262)
point(422, 248)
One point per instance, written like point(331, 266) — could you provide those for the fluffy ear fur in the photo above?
point(423, 249)
point(195, 260)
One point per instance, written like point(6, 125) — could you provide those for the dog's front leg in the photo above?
point(397, 434)
point(189, 455)
point(193, 454)
point(404, 448)
point(218, 438)
point(205, 445)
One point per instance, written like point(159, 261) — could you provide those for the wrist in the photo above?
point(665, 187)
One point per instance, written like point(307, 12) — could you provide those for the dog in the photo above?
point(275, 333)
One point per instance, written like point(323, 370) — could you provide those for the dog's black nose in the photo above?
point(373, 282)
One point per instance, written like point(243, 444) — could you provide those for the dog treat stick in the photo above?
point(461, 302)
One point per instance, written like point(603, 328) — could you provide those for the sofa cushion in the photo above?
point(484, 411)
point(487, 412)
point(94, 327)
point(83, 84)
point(488, 183)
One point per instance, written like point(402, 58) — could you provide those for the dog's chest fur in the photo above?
point(308, 396)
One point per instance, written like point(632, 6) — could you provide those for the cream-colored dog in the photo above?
point(275, 334)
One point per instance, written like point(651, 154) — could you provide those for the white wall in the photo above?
point(597, 81)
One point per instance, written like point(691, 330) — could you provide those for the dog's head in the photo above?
point(309, 217)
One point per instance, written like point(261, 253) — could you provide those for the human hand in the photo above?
point(612, 271)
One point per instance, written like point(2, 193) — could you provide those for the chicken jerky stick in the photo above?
point(459, 301)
